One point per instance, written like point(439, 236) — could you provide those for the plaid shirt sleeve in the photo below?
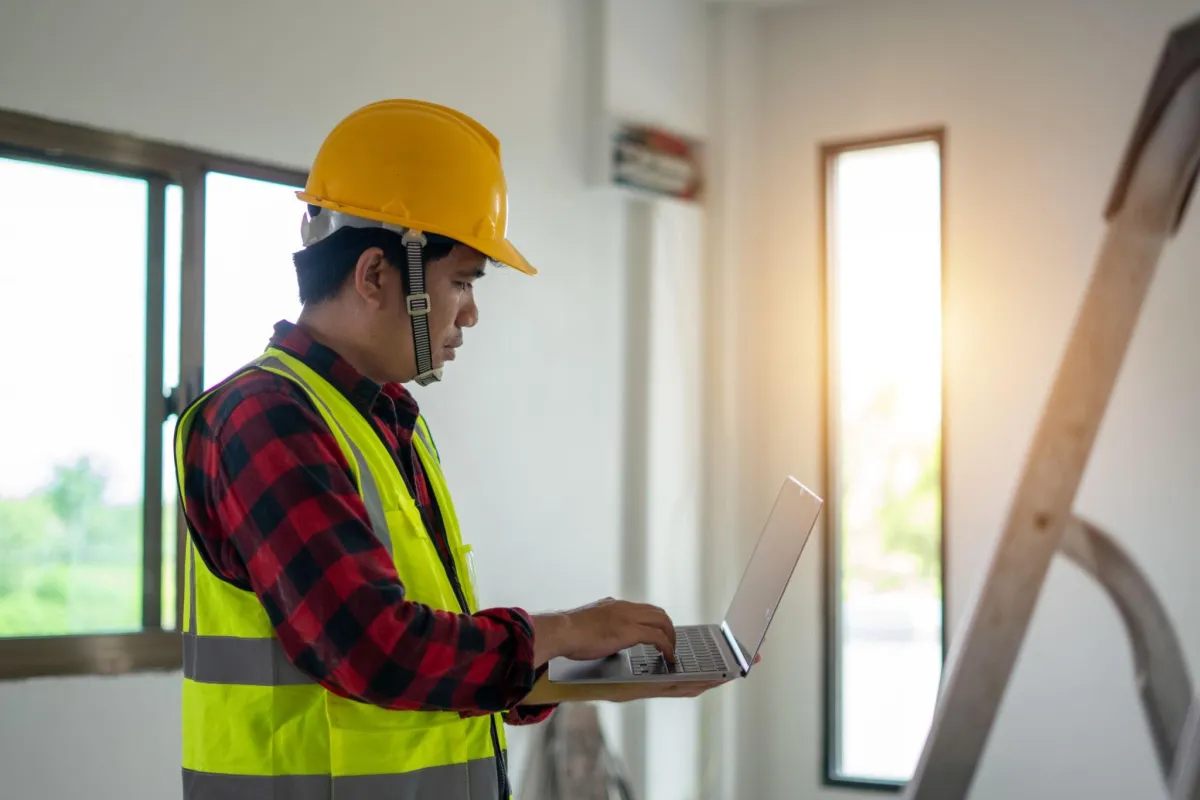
point(274, 506)
point(530, 715)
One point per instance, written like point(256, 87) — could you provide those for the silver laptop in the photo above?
point(719, 651)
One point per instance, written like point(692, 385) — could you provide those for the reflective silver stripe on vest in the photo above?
point(209, 786)
point(475, 780)
point(246, 662)
point(426, 440)
point(370, 492)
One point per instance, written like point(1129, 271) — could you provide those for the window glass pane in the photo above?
point(172, 288)
point(170, 528)
point(252, 230)
point(71, 462)
point(885, 274)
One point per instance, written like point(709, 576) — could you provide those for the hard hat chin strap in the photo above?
point(418, 305)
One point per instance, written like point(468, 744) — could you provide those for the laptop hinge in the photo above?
point(731, 640)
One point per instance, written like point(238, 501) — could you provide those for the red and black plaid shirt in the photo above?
point(275, 510)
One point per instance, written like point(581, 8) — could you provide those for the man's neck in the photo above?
point(330, 333)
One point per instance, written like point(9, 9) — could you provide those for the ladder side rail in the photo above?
point(1153, 186)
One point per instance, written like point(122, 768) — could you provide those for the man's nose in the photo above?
point(468, 315)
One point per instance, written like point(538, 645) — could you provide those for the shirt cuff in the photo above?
point(528, 715)
point(521, 675)
point(531, 715)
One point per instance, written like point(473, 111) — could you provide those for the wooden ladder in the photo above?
point(1153, 186)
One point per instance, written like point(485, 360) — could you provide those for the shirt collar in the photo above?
point(358, 388)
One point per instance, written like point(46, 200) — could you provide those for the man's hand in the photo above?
point(649, 690)
point(600, 629)
point(547, 693)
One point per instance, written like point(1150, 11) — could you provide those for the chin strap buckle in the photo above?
point(418, 304)
point(426, 378)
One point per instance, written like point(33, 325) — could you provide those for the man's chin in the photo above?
point(448, 354)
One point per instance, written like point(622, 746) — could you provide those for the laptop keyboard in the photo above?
point(695, 651)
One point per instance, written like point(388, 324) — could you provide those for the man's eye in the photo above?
point(464, 285)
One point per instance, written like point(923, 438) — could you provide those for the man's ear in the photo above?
point(369, 275)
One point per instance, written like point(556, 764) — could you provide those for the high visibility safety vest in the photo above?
point(255, 727)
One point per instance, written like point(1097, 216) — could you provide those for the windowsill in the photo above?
point(863, 783)
point(108, 654)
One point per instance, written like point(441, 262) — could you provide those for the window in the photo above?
point(104, 245)
point(72, 491)
point(885, 641)
point(252, 227)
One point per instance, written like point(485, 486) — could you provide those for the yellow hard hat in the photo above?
point(412, 165)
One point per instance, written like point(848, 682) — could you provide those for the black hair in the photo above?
point(324, 267)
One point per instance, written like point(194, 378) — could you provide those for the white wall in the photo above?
point(655, 69)
point(1038, 99)
point(540, 494)
point(732, 517)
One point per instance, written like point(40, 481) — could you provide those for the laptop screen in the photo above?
point(771, 566)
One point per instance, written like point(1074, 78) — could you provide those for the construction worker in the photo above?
point(334, 646)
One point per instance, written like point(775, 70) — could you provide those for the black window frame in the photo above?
point(39, 139)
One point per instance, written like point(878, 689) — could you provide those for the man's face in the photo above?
point(450, 283)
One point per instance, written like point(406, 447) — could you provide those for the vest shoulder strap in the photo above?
point(422, 432)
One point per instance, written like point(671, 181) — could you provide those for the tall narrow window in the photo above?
point(885, 475)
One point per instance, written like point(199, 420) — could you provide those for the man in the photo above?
point(334, 647)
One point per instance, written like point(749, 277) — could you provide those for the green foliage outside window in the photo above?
point(72, 563)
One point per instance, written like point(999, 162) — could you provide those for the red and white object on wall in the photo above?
point(653, 160)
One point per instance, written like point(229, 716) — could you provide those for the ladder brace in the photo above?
point(1155, 180)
